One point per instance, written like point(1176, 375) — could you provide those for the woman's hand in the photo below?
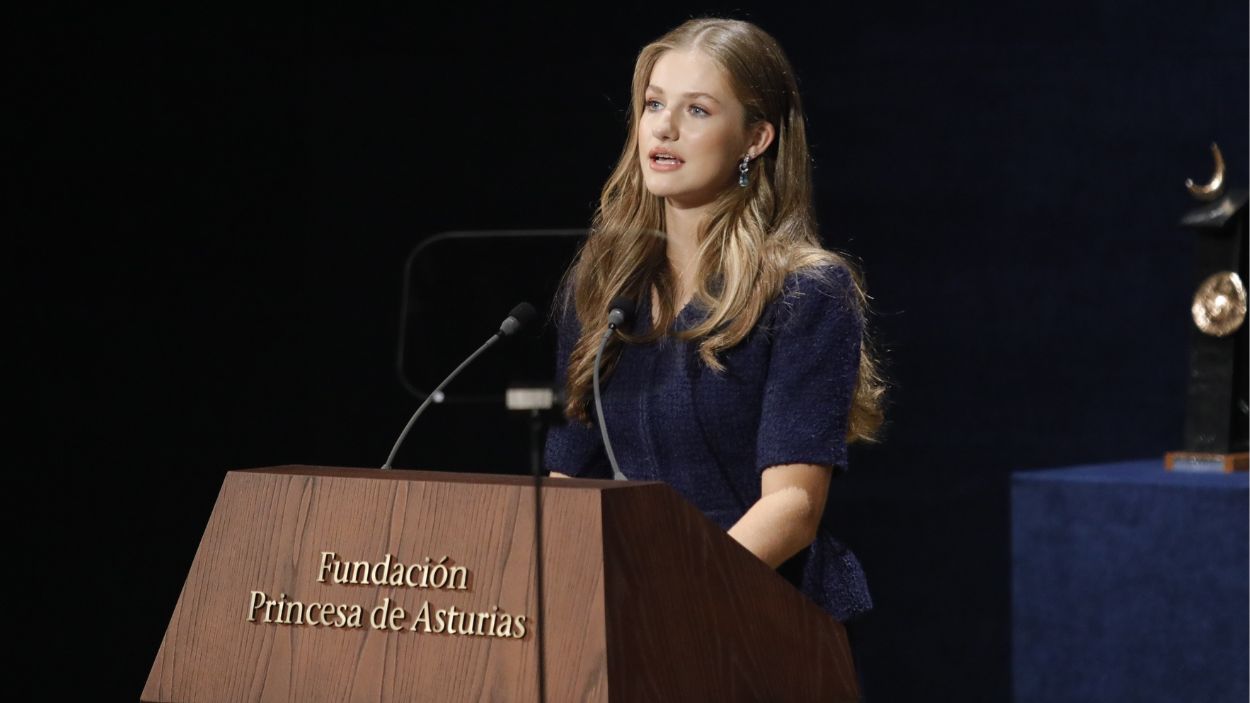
point(786, 517)
point(557, 474)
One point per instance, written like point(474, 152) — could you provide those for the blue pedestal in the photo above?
point(1129, 583)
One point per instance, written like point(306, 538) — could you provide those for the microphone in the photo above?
point(620, 314)
point(521, 316)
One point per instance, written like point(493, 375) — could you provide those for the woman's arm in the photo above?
point(573, 445)
point(785, 518)
point(813, 364)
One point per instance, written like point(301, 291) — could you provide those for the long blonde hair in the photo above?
point(753, 238)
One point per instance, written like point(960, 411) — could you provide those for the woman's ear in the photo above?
point(761, 137)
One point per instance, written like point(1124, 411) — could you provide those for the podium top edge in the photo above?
point(438, 477)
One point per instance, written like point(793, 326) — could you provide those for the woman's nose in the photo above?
point(662, 127)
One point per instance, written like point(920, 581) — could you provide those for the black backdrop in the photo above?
point(213, 210)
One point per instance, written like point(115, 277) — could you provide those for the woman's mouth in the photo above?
point(665, 162)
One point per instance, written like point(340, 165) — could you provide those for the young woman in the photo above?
point(746, 371)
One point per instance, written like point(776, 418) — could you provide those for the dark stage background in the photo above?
point(214, 210)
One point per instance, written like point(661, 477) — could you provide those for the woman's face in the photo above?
point(690, 136)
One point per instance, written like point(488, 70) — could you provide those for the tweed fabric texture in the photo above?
point(783, 398)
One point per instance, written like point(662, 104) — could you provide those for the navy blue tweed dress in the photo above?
point(784, 398)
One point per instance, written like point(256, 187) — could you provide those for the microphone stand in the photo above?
point(539, 593)
point(437, 393)
point(619, 315)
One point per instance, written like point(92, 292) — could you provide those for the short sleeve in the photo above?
point(574, 449)
point(816, 332)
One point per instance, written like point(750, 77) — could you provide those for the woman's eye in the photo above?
point(653, 105)
point(698, 111)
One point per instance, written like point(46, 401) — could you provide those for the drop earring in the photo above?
point(744, 168)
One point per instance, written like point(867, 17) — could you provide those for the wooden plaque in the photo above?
point(645, 599)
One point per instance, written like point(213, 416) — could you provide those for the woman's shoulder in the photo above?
point(832, 275)
point(825, 287)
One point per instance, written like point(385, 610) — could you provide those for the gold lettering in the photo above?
point(387, 616)
point(466, 623)
point(326, 558)
point(494, 610)
point(308, 613)
point(443, 573)
point(258, 600)
point(463, 573)
point(438, 574)
point(378, 573)
point(354, 616)
point(395, 620)
point(451, 620)
point(423, 617)
point(297, 608)
point(377, 616)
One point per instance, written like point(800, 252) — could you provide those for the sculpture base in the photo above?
point(1206, 462)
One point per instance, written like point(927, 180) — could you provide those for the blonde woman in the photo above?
point(746, 371)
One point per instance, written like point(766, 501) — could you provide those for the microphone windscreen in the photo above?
point(621, 312)
point(522, 316)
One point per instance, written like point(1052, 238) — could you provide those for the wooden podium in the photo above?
point(331, 584)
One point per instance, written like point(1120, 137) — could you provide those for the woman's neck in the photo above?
point(681, 226)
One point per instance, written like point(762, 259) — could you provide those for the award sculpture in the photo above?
point(1216, 411)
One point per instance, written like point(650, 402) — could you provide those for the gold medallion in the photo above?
point(1220, 304)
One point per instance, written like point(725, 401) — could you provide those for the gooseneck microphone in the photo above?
point(522, 316)
point(620, 314)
